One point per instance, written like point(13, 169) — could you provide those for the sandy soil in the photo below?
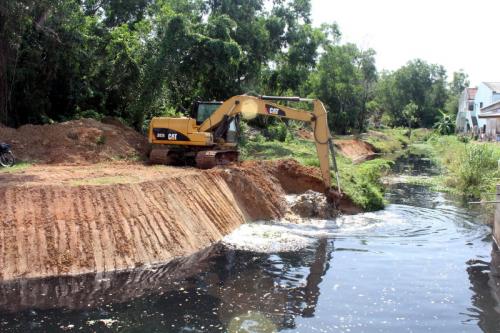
point(120, 172)
point(76, 142)
point(64, 220)
point(356, 150)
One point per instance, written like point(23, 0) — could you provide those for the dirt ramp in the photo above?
point(60, 230)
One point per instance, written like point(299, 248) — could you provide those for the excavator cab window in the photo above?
point(203, 110)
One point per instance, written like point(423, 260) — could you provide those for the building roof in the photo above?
point(495, 86)
point(490, 111)
point(471, 92)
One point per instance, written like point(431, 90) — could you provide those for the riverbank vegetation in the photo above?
point(361, 182)
point(136, 59)
point(469, 169)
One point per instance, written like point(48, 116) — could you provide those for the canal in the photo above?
point(420, 265)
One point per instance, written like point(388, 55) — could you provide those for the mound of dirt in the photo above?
point(356, 150)
point(79, 142)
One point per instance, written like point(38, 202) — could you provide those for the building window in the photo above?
point(471, 106)
point(481, 105)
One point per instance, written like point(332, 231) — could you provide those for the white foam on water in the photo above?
point(278, 236)
point(285, 236)
point(364, 222)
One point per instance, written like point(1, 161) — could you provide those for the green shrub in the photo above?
point(473, 172)
point(463, 138)
point(89, 114)
point(362, 183)
point(276, 132)
point(471, 167)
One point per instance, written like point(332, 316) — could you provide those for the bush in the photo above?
point(474, 171)
point(463, 138)
point(276, 132)
point(89, 114)
point(362, 183)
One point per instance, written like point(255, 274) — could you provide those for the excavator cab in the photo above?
point(228, 128)
point(203, 110)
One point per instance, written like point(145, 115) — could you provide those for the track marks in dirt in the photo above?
point(58, 230)
point(49, 228)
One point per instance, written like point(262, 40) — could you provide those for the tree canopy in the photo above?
point(134, 59)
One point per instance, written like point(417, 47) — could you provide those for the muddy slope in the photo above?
point(58, 230)
point(51, 227)
point(357, 150)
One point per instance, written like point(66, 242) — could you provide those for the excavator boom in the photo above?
point(250, 106)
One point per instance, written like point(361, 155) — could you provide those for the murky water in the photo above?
point(422, 264)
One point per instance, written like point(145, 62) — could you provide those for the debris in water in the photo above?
point(312, 204)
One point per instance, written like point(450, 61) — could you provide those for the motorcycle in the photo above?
point(6, 157)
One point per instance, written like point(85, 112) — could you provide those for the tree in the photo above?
point(344, 81)
point(459, 82)
point(410, 112)
point(418, 82)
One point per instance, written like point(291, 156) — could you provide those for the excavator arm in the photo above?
point(250, 106)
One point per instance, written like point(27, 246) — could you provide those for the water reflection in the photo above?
point(485, 284)
point(210, 291)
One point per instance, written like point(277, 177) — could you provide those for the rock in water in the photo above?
point(313, 204)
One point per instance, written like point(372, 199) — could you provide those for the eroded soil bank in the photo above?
point(66, 220)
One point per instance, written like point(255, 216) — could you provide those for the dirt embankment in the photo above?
point(357, 150)
point(54, 230)
point(79, 142)
point(63, 220)
point(84, 214)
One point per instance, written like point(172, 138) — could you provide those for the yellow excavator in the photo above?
point(210, 136)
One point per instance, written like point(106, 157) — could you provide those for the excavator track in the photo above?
point(160, 156)
point(208, 159)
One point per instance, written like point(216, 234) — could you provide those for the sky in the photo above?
point(456, 34)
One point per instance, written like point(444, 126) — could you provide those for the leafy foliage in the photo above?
point(445, 125)
point(419, 83)
point(135, 59)
point(472, 168)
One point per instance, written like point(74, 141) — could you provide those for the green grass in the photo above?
point(16, 168)
point(388, 140)
point(361, 182)
point(392, 140)
point(435, 183)
point(469, 169)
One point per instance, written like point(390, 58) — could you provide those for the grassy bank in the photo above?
point(392, 140)
point(361, 182)
point(470, 169)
